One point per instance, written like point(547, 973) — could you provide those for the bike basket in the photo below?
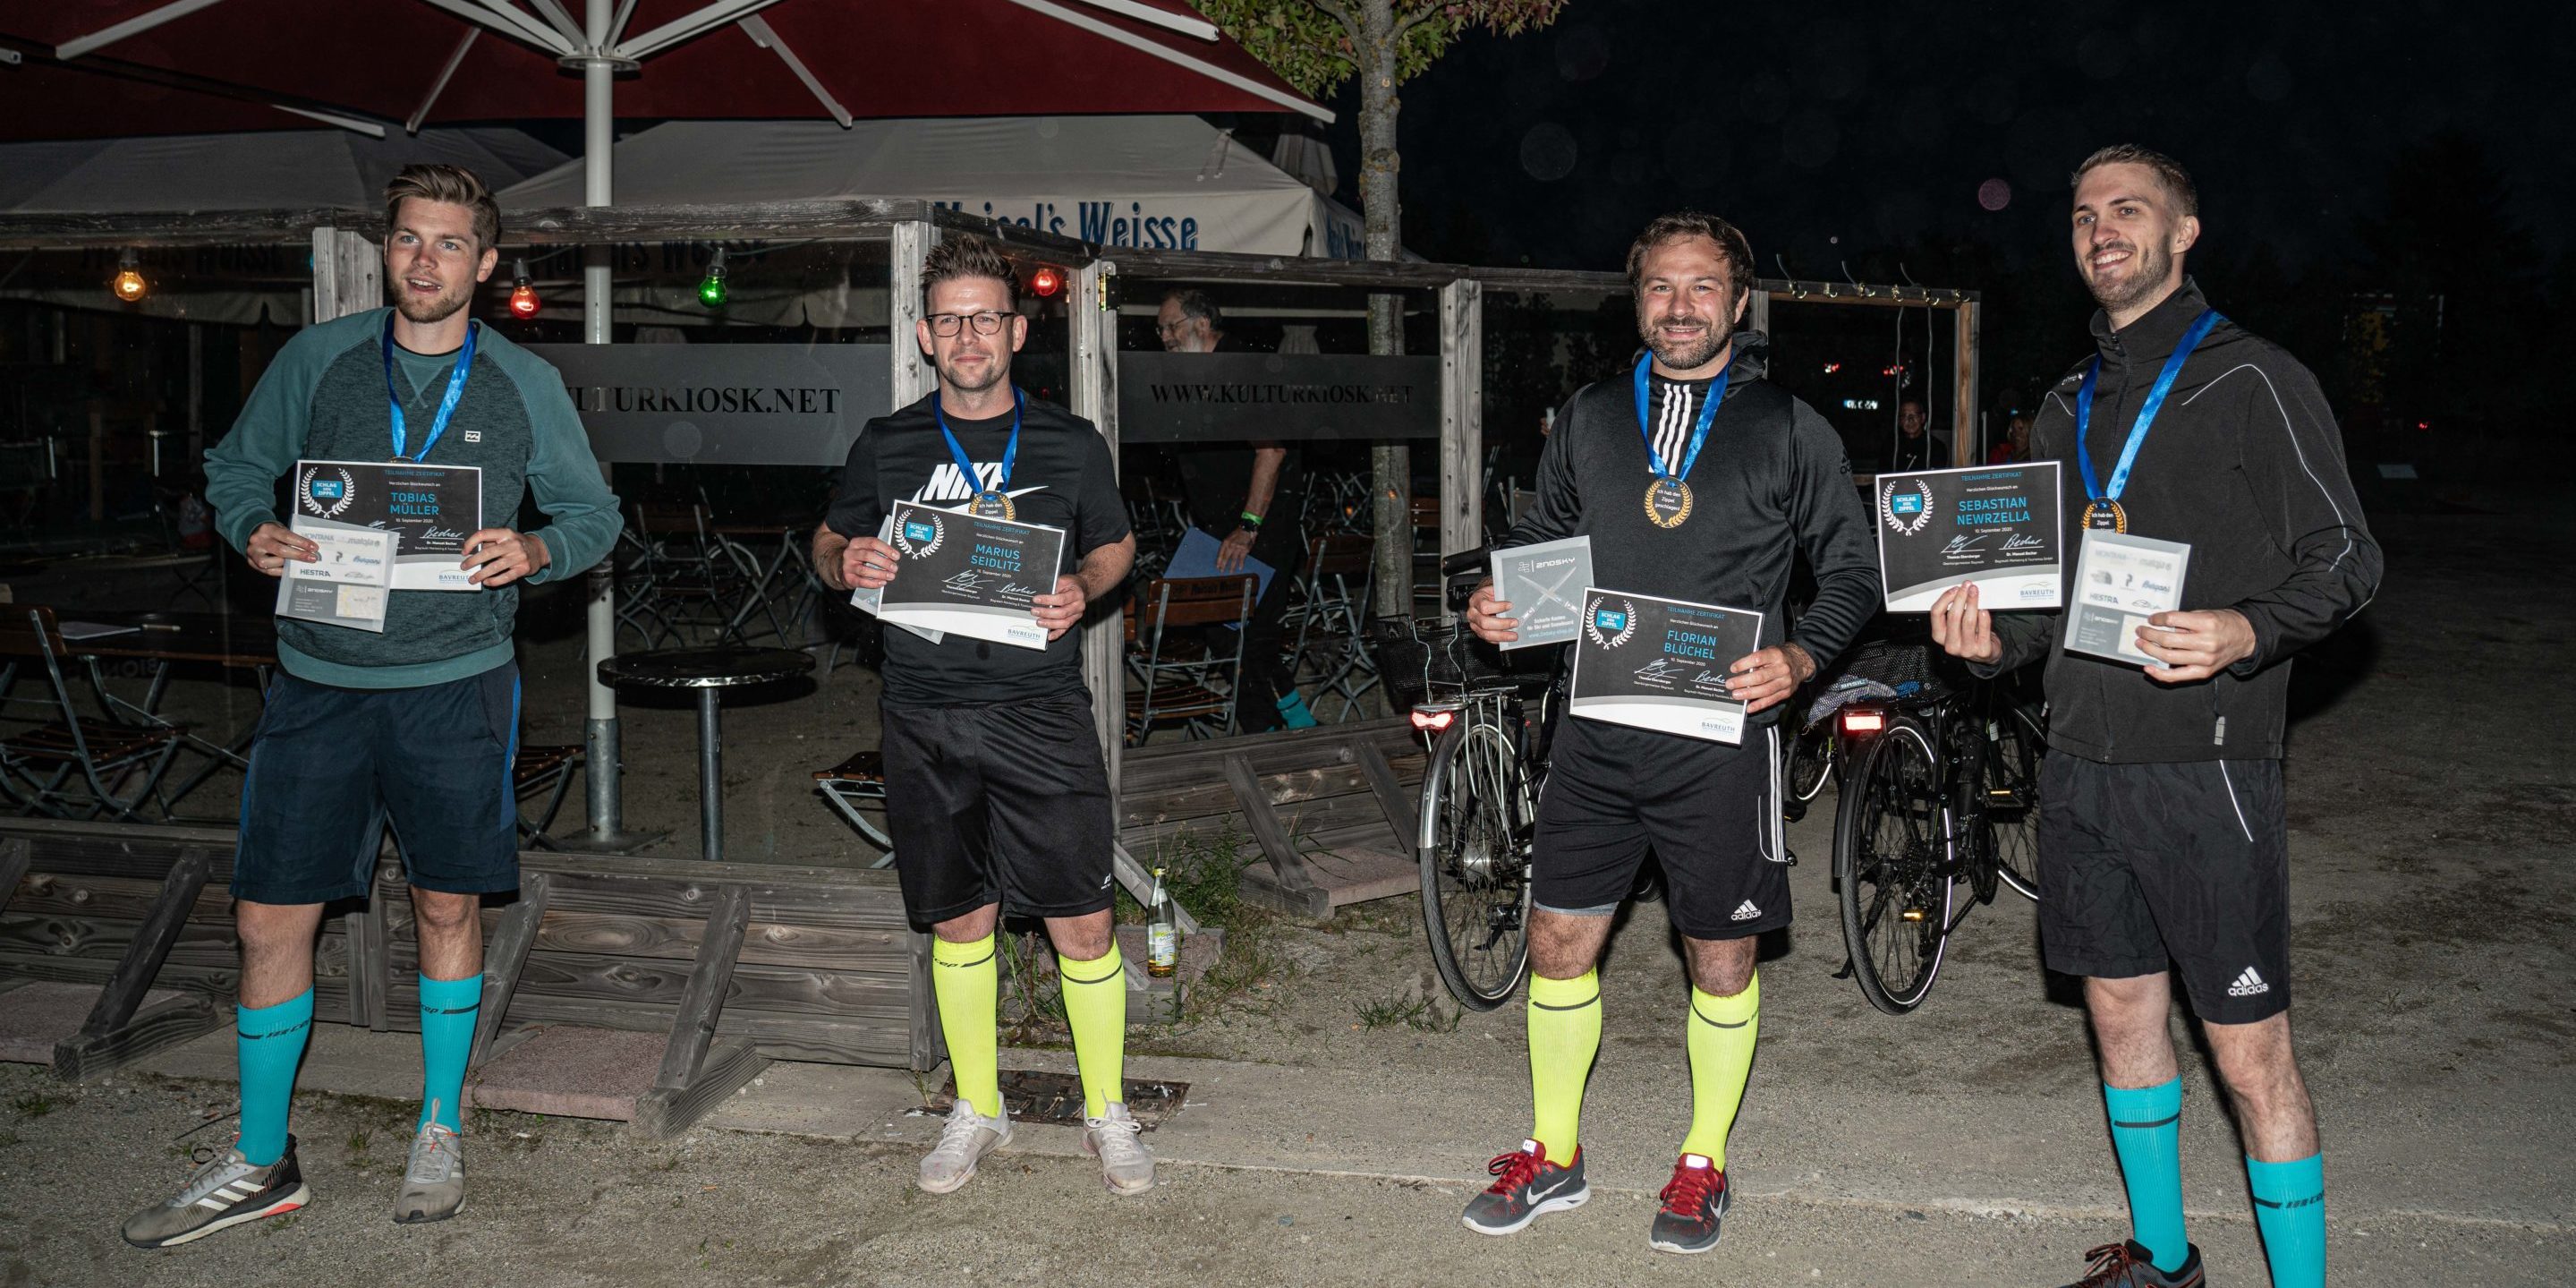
point(1907, 670)
point(1420, 658)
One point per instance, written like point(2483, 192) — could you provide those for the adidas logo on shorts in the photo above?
point(2248, 985)
point(1746, 912)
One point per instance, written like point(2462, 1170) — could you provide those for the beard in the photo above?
point(1686, 355)
point(431, 311)
point(2148, 268)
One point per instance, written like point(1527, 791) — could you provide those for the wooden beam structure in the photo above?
point(1462, 418)
point(697, 1071)
point(505, 959)
point(120, 1029)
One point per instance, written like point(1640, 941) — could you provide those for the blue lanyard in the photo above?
point(965, 463)
point(446, 405)
point(1699, 432)
point(2146, 410)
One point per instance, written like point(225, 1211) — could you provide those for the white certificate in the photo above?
point(2120, 581)
point(869, 599)
point(348, 586)
point(1544, 584)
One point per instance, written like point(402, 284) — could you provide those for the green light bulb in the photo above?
point(711, 290)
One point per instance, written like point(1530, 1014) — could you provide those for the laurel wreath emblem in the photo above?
point(1887, 508)
point(903, 537)
point(1592, 623)
point(304, 492)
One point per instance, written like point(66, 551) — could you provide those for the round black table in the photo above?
point(710, 671)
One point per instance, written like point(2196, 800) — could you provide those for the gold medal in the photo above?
point(2106, 516)
point(992, 505)
point(1668, 503)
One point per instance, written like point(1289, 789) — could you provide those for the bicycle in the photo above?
point(1487, 718)
point(1943, 791)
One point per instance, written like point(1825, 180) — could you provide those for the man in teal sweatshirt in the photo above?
point(418, 723)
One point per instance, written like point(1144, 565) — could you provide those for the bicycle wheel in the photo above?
point(1477, 817)
point(1811, 760)
point(1890, 861)
point(2015, 740)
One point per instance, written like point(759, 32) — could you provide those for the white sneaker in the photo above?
point(1125, 1165)
point(433, 1186)
point(969, 1136)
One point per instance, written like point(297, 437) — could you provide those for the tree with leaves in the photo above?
point(1316, 45)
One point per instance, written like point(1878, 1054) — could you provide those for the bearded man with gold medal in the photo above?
point(1696, 479)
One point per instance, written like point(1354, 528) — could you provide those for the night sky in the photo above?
point(1876, 124)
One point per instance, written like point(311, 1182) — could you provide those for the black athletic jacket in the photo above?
point(1772, 481)
point(2245, 463)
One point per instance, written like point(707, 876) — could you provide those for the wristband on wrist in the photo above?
point(1252, 521)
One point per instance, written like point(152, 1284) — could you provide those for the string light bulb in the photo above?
point(1046, 281)
point(712, 290)
point(130, 285)
point(523, 296)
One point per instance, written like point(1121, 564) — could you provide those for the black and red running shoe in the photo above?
point(1694, 1206)
point(2126, 1264)
point(1526, 1187)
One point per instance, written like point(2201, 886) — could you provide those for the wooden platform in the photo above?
point(728, 966)
point(1333, 810)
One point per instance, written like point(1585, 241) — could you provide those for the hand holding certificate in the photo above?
point(1992, 526)
point(1661, 664)
point(348, 582)
point(1544, 584)
point(975, 575)
point(2120, 582)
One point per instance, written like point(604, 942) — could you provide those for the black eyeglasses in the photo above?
point(987, 322)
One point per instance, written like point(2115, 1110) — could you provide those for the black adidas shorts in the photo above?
point(1003, 802)
point(1710, 812)
point(2186, 863)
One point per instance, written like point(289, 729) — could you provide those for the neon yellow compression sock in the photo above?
point(1722, 1030)
point(1564, 1035)
point(967, 983)
point(1095, 1004)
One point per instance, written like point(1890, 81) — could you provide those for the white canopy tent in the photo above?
point(274, 170)
point(1168, 182)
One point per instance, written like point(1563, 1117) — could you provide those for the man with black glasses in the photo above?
point(996, 794)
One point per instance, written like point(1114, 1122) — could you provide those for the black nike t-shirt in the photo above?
point(1063, 477)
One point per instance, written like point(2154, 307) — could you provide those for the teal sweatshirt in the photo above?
point(324, 399)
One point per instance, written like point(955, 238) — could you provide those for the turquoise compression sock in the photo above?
point(271, 1043)
point(1292, 709)
point(2290, 1210)
point(448, 1009)
point(2146, 1132)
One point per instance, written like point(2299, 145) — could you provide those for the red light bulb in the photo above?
point(1046, 281)
point(523, 297)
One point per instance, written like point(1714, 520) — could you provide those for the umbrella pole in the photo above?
point(598, 136)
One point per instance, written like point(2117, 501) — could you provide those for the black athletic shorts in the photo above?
point(1710, 812)
point(998, 802)
point(2186, 863)
point(329, 765)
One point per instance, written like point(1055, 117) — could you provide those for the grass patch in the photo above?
point(1412, 1009)
point(34, 1104)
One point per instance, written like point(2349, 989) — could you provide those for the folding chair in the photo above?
point(37, 765)
point(1334, 594)
point(1177, 678)
point(548, 770)
point(845, 786)
point(688, 578)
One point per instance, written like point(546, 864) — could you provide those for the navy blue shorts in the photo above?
point(329, 765)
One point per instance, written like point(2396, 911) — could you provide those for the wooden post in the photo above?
point(505, 959)
point(929, 1041)
point(1092, 318)
point(1757, 315)
point(1965, 445)
point(119, 1028)
point(378, 958)
point(698, 1072)
point(1462, 417)
point(348, 274)
point(1403, 813)
point(912, 376)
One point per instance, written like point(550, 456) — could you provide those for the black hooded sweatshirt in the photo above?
point(1770, 482)
point(2244, 463)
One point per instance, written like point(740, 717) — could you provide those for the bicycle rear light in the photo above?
point(1863, 722)
point(1433, 721)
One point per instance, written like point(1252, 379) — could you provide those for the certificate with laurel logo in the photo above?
point(431, 509)
point(1992, 525)
point(966, 574)
point(1661, 664)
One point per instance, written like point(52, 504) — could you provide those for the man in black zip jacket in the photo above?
point(1745, 488)
point(2162, 832)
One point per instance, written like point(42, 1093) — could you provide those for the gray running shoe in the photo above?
point(1526, 1187)
point(223, 1193)
point(967, 1137)
point(434, 1182)
point(1125, 1164)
